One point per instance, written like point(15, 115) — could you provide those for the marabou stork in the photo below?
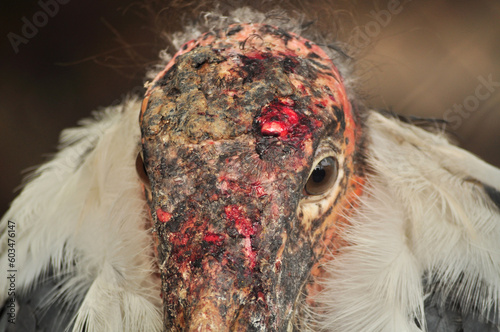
point(248, 191)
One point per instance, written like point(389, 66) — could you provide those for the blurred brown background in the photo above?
point(414, 57)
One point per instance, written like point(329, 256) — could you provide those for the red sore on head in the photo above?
point(274, 128)
point(261, 42)
point(279, 118)
point(162, 215)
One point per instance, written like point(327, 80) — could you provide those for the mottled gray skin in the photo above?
point(228, 140)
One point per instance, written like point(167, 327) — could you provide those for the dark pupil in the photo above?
point(318, 175)
point(322, 177)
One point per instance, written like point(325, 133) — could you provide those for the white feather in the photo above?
point(84, 214)
point(423, 212)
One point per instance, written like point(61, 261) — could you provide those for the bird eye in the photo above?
point(322, 177)
point(141, 170)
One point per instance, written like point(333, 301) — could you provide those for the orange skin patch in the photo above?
point(332, 241)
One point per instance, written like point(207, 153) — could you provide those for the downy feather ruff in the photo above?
point(83, 215)
point(424, 231)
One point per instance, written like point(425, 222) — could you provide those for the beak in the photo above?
point(229, 133)
point(231, 253)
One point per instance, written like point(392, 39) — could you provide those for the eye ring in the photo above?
point(322, 177)
point(140, 167)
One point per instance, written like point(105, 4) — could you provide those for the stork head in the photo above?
point(248, 147)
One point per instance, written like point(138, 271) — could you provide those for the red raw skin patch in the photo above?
point(214, 238)
point(242, 223)
point(244, 226)
point(278, 118)
point(162, 215)
point(274, 128)
point(258, 190)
